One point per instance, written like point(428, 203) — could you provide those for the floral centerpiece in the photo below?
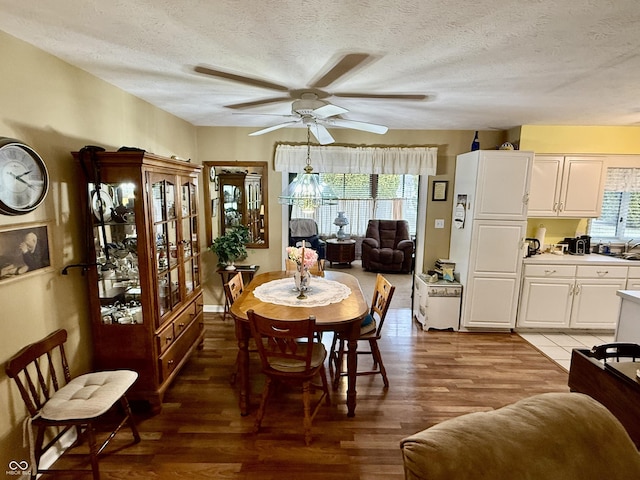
point(304, 258)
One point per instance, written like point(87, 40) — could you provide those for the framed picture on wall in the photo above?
point(439, 190)
point(23, 250)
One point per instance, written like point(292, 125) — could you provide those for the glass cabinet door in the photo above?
point(113, 209)
point(191, 249)
point(165, 230)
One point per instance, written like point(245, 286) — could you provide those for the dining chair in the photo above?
point(60, 404)
point(286, 358)
point(317, 270)
point(370, 332)
point(232, 290)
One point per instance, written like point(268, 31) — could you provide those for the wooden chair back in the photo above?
point(234, 288)
point(382, 295)
point(39, 370)
point(279, 342)
point(317, 270)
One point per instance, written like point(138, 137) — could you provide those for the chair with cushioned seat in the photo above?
point(387, 247)
point(54, 400)
point(370, 332)
point(286, 358)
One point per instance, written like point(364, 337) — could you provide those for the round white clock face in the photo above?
point(23, 179)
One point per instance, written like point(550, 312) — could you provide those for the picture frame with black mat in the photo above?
point(439, 190)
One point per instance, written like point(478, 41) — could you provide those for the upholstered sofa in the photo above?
point(387, 246)
point(552, 436)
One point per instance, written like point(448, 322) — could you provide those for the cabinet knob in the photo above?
point(560, 206)
point(181, 325)
point(168, 339)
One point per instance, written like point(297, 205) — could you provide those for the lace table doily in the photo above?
point(282, 292)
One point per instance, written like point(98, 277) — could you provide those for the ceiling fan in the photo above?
point(309, 107)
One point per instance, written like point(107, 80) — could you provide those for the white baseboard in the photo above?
point(213, 308)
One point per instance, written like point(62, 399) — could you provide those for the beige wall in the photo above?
point(234, 144)
point(56, 109)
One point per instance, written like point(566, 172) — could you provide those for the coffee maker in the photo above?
point(578, 246)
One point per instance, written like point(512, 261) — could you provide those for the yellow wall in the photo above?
point(580, 139)
point(574, 140)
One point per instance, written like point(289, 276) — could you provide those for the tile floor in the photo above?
point(558, 346)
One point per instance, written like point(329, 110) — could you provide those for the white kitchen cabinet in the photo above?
point(570, 296)
point(547, 296)
point(633, 278)
point(567, 186)
point(595, 303)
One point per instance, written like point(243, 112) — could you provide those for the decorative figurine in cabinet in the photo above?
point(144, 265)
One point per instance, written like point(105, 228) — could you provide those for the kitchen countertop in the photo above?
point(567, 259)
point(631, 295)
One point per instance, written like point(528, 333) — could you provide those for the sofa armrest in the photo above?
point(370, 242)
point(406, 245)
point(552, 436)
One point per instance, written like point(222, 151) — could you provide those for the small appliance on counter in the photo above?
point(533, 246)
point(578, 246)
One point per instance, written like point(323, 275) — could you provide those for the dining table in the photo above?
point(335, 299)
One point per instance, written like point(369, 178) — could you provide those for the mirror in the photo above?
point(237, 194)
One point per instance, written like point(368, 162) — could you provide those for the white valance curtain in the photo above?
point(371, 160)
point(623, 180)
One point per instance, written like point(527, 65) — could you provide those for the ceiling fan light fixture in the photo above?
point(306, 190)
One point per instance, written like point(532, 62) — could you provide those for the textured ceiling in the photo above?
point(482, 64)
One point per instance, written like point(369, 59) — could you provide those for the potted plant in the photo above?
point(231, 246)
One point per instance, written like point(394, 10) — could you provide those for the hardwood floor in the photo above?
point(433, 376)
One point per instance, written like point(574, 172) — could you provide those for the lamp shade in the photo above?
point(308, 192)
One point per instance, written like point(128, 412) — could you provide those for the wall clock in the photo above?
point(24, 179)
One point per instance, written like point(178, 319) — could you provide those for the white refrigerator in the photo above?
point(488, 228)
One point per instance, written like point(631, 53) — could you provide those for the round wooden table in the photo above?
point(344, 316)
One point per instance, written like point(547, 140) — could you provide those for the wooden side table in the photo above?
point(340, 251)
point(247, 271)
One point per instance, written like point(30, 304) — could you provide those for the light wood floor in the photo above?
point(433, 375)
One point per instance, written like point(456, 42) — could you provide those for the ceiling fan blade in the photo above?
point(344, 65)
point(388, 96)
point(256, 103)
point(321, 133)
point(365, 127)
point(255, 82)
point(273, 127)
point(329, 110)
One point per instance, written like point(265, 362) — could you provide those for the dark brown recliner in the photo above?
point(387, 246)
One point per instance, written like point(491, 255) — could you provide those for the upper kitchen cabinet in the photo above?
point(500, 181)
point(567, 186)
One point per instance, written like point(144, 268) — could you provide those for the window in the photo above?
point(620, 217)
point(363, 197)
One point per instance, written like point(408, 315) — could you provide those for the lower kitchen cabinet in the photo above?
point(571, 296)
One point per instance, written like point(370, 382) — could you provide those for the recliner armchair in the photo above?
point(306, 229)
point(387, 246)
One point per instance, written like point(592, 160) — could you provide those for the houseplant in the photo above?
point(231, 246)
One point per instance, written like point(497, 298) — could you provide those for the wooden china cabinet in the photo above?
point(145, 296)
